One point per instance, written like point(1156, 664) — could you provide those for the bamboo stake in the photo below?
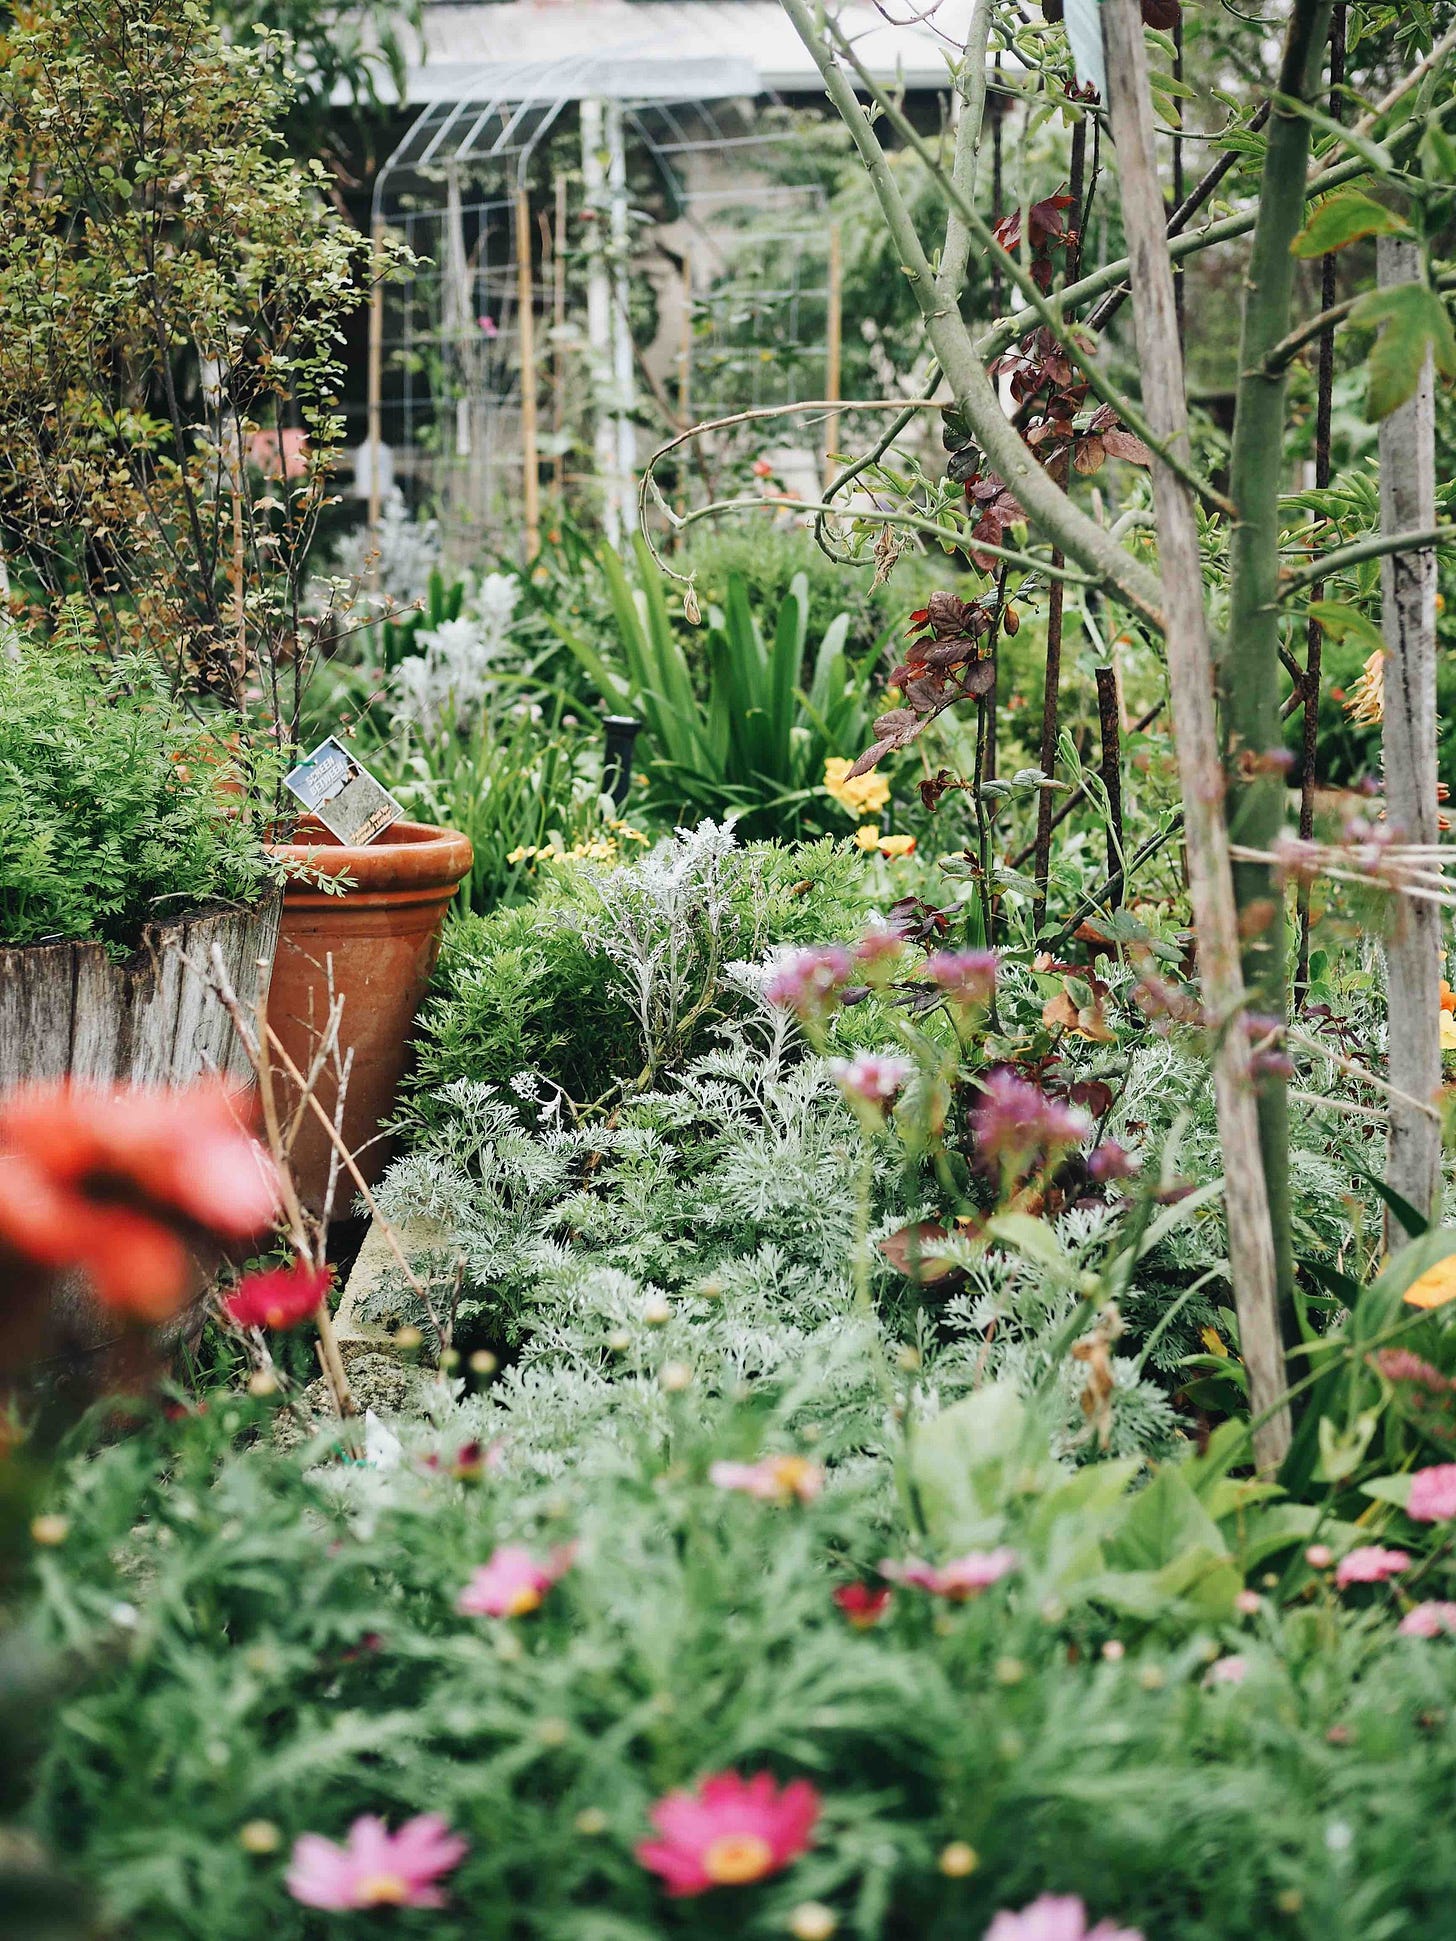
point(1408, 747)
point(1249, 670)
point(1309, 692)
point(685, 347)
point(1190, 676)
point(558, 340)
point(832, 347)
point(526, 308)
point(375, 414)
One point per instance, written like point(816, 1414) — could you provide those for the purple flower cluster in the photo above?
point(964, 976)
point(811, 981)
point(1015, 1121)
point(871, 1078)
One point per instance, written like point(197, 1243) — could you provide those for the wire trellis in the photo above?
point(720, 287)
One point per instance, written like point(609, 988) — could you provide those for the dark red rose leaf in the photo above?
point(917, 921)
point(948, 614)
point(1089, 455)
point(979, 679)
point(1122, 444)
point(1094, 1095)
point(897, 729)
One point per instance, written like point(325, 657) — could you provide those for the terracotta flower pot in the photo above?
point(381, 937)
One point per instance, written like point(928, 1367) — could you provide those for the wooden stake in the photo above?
point(1050, 728)
point(1408, 747)
point(1190, 679)
point(1111, 726)
point(833, 328)
point(526, 309)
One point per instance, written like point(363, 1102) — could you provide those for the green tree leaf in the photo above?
point(1340, 620)
point(1411, 320)
point(1343, 219)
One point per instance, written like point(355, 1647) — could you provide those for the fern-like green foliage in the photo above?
point(110, 816)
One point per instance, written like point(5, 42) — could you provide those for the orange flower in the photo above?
point(118, 1183)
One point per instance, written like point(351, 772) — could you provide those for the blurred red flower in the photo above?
point(280, 1298)
point(119, 1184)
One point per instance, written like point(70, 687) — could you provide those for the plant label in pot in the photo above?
point(343, 795)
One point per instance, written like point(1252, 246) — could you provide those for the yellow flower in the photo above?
point(867, 837)
point(1448, 1030)
point(519, 854)
point(865, 795)
point(896, 845)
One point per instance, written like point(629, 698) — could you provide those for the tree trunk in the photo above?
point(1408, 621)
point(1190, 680)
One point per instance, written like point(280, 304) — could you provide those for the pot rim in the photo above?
point(412, 855)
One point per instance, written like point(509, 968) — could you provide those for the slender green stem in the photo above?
point(946, 535)
point(1374, 545)
point(1250, 667)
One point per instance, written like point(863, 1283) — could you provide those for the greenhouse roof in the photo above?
point(645, 50)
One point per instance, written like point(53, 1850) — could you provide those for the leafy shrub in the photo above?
point(110, 815)
point(536, 990)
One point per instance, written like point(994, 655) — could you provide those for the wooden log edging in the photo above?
point(68, 1010)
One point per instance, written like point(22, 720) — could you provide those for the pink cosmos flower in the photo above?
point(772, 1479)
point(488, 326)
point(280, 1298)
point(374, 1867)
point(965, 976)
point(1055, 1917)
point(961, 1578)
point(1229, 1670)
point(513, 1583)
point(1432, 1496)
point(1369, 1565)
point(809, 981)
point(871, 1078)
point(1015, 1122)
point(864, 1605)
point(730, 1832)
point(1430, 1620)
